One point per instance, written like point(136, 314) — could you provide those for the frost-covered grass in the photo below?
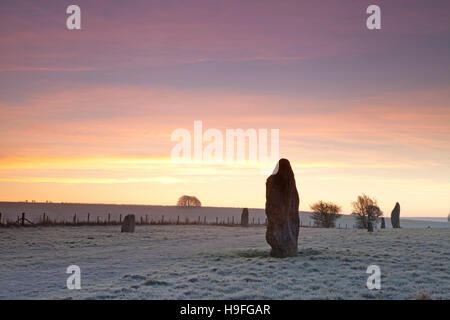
point(206, 262)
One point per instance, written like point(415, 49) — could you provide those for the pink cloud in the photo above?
point(96, 121)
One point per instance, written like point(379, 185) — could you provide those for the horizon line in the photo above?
point(162, 205)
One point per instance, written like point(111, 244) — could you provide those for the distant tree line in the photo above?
point(325, 214)
point(365, 210)
point(188, 201)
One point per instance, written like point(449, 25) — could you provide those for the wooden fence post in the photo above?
point(88, 217)
point(109, 217)
point(162, 219)
point(120, 218)
point(178, 220)
point(75, 219)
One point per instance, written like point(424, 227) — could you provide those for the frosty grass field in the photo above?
point(210, 262)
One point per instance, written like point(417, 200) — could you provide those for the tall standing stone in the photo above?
point(128, 223)
point(244, 218)
point(282, 203)
point(395, 216)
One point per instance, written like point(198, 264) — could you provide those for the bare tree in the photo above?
point(365, 209)
point(188, 201)
point(325, 214)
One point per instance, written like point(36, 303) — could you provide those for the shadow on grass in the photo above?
point(264, 253)
point(253, 253)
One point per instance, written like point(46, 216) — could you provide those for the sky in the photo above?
point(87, 115)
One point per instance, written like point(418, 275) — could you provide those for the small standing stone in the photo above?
point(395, 216)
point(383, 223)
point(369, 226)
point(128, 223)
point(244, 218)
point(282, 203)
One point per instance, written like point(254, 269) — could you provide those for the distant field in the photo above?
point(34, 211)
point(206, 262)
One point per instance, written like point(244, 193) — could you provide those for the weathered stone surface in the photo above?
point(395, 216)
point(282, 203)
point(128, 223)
point(244, 218)
point(383, 223)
